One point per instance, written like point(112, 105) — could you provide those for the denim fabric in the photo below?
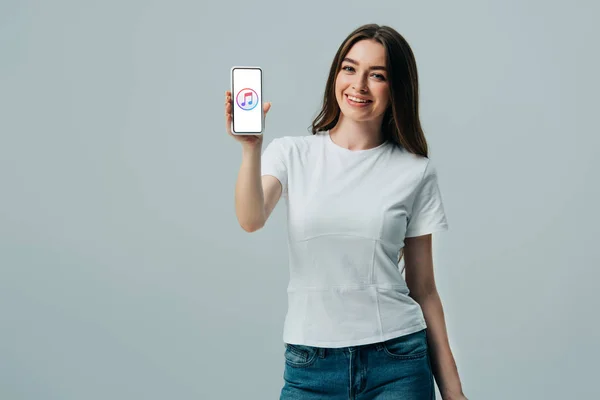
point(398, 369)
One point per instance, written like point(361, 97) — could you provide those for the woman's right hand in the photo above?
point(245, 140)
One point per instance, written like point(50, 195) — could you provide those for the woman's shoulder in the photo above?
point(300, 142)
point(306, 138)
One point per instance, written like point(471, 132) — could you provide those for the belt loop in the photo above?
point(322, 352)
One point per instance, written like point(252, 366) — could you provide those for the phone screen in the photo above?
point(246, 93)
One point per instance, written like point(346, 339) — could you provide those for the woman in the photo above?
point(361, 194)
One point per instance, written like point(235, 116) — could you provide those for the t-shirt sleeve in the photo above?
point(427, 214)
point(273, 162)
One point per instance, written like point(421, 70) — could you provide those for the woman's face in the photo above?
point(361, 86)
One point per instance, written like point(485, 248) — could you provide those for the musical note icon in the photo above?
point(247, 99)
point(246, 95)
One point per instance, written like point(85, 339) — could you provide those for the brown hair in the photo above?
point(401, 122)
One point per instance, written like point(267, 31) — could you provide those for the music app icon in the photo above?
point(247, 99)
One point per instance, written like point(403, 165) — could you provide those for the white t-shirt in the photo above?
point(348, 213)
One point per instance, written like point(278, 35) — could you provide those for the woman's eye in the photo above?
point(350, 69)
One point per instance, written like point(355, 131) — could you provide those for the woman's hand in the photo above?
point(455, 397)
point(245, 140)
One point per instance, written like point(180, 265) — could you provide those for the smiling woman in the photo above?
point(361, 192)
point(372, 92)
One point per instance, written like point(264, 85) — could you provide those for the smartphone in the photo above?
point(246, 95)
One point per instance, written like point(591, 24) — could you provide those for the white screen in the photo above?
point(247, 100)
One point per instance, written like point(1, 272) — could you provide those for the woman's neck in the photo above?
point(357, 135)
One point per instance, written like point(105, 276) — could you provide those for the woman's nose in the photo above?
point(359, 85)
point(361, 89)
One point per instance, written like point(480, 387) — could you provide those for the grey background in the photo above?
point(123, 271)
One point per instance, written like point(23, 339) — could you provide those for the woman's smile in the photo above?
point(357, 102)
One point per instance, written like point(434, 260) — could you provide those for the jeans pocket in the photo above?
point(299, 356)
point(407, 347)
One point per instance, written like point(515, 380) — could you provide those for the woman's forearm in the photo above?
point(443, 364)
point(249, 196)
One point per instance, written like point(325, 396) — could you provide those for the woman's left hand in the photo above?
point(458, 397)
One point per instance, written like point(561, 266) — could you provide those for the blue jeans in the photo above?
point(398, 369)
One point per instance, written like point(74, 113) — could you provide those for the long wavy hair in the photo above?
point(401, 123)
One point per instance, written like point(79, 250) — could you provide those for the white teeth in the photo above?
point(356, 99)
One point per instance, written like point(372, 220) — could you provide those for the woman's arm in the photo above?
point(253, 191)
point(418, 262)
